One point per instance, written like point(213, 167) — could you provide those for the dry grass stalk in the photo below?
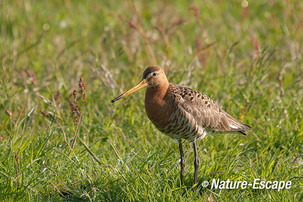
point(142, 33)
point(75, 108)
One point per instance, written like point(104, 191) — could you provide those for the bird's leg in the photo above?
point(182, 161)
point(197, 161)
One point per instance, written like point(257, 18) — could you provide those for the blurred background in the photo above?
point(56, 144)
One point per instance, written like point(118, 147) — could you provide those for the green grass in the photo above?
point(253, 69)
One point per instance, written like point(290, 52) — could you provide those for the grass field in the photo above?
point(248, 59)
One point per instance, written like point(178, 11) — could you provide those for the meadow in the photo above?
point(58, 144)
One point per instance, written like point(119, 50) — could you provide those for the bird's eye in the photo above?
point(154, 74)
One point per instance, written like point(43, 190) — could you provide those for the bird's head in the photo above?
point(152, 77)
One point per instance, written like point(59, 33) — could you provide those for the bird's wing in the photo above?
point(205, 111)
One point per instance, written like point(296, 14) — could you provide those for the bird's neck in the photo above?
point(155, 104)
point(155, 95)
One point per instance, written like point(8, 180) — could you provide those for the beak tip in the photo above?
point(140, 85)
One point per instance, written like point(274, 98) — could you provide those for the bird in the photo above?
point(182, 113)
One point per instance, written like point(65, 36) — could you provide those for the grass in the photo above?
point(247, 59)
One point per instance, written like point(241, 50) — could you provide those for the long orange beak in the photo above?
point(140, 85)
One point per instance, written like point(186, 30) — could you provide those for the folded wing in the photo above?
point(205, 112)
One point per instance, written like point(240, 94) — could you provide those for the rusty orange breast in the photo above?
point(157, 108)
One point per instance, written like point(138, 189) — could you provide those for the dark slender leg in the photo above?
point(197, 161)
point(182, 162)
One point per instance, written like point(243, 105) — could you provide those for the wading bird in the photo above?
point(182, 113)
